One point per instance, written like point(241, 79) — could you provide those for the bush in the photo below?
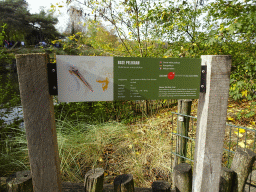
point(242, 89)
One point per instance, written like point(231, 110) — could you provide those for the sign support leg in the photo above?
point(39, 120)
point(211, 124)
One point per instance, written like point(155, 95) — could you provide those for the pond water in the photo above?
point(14, 113)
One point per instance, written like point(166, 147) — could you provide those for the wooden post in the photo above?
point(20, 181)
point(93, 181)
point(183, 177)
point(242, 166)
point(39, 121)
point(124, 183)
point(161, 186)
point(211, 124)
point(226, 179)
point(184, 107)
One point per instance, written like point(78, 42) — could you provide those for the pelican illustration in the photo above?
point(73, 70)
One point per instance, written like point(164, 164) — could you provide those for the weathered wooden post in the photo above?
point(226, 179)
point(124, 183)
point(161, 186)
point(242, 166)
point(20, 181)
point(211, 124)
point(184, 107)
point(39, 120)
point(93, 180)
point(182, 177)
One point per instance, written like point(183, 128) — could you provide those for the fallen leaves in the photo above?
point(249, 141)
point(239, 135)
point(245, 144)
point(240, 130)
point(241, 144)
point(231, 119)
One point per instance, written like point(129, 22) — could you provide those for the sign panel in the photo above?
point(84, 78)
point(156, 78)
point(88, 78)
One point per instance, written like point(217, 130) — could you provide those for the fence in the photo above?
point(233, 139)
point(22, 181)
point(235, 136)
point(41, 129)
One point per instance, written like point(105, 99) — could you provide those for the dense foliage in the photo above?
point(176, 29)
point(20, 25)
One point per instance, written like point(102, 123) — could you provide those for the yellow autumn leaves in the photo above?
point(231, 119)
point(244, 93)
point(240, 133)
point(246, 144)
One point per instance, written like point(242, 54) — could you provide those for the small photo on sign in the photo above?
point(84, 78)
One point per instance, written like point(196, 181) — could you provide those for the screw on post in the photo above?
point(53, 70)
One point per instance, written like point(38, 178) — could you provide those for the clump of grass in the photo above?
point(14, 151)
point(83, 146)
point(146, 154)
point(141, 150)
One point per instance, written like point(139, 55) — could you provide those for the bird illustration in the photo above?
point(74, 70)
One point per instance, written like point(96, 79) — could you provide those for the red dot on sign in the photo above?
point(171, 75)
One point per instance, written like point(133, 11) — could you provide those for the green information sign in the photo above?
point(156, 78)
point(88, 78)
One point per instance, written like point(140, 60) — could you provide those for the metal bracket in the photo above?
point(52, 78)
point(203, 79)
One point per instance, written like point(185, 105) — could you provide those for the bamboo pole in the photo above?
point(39, 121)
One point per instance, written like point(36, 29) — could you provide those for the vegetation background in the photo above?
point(116, 135)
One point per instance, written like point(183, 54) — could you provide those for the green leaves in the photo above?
point(2, 34)
point(227, 28)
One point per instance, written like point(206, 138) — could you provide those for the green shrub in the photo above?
point(242, 89)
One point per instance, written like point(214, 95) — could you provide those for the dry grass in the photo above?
point(142, 149)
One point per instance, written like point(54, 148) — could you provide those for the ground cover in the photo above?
point(142, 148)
